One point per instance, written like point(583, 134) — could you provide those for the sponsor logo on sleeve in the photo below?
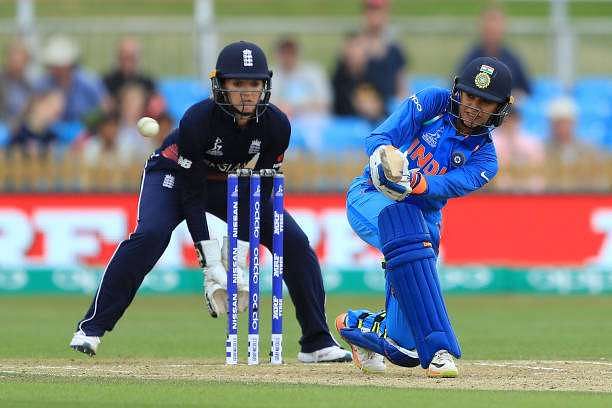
point(184, 163)
point(416, 102)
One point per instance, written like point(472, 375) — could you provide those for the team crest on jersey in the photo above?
point(457, 159)
point(431, 138)
point(247, 58)
point(168, 181)
point(255, 146)
point(217, 148)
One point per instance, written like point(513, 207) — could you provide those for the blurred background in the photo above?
point(76, 75)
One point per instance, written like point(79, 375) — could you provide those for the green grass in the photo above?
point(489, 327)
point(178, 327)
point(112, 393)
point(172, 54)
point(70, 8)
point(524, 327)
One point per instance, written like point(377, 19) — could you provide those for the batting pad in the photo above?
point(411, 270)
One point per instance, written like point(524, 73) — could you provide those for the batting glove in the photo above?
point(392, 177)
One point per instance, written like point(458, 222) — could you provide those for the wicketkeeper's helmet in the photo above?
point(243, 60)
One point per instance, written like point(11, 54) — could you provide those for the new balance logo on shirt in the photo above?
point(183, 162)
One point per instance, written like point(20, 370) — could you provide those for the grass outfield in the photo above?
point(70, 8)
point(113, 393)
point(159, 331)
point(489, 327)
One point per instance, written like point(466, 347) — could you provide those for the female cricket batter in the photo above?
point(436, 146)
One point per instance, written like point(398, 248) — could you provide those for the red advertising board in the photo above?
point(514, 230)
point(505, 230)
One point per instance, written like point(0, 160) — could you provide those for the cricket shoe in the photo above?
point(366, 360)
point(442, 366)
point(84, 343)
point(331, 354)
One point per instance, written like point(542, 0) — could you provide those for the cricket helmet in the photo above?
point(488, 78)
point(241, 60)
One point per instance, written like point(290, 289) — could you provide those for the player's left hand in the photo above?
point(389, 172)
point(215, 276)
point(394, 163)
point(391, 175)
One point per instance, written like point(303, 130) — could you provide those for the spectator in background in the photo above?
point(563, 146)
point(132, 105)
point(84, 93)
point(34, 136)
point(15, 86)
point(386, 63)
point(520, 156)
point(127, 70)
point(514, 145)
point(491, 44)
point(102, 147)
point(166, 125)
point(574, 163)
point(368, 103)
point(104, 161)
point(299, 87)
point(353, 94)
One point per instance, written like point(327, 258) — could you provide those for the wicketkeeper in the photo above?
point(186, 177)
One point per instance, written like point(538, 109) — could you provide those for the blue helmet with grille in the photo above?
point(241, 60)
point(487, 78)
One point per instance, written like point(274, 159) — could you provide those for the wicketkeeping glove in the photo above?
point(215, 276)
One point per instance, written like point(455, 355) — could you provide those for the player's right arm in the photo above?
point(191, 142)
point(388, 166)
point(402, 125)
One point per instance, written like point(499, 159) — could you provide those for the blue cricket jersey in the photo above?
point(453, 164)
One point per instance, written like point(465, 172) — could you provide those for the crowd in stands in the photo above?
point(66, 111)
point(71, 109)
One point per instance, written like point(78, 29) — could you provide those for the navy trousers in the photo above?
point(159, 212)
